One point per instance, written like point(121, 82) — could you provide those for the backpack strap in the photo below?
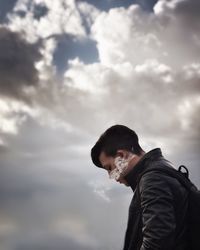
point(186, 173)
point(182, 177)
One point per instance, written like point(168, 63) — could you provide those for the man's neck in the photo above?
point(134, 161)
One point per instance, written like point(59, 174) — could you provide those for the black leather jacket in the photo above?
point(157, 213)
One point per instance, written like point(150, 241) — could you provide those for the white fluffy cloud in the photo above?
point(133, 46)
point(133, 35)
point(151, 70)
point(90, 78)
point(147, 76)
point(61, 17)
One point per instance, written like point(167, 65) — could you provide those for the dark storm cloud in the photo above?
point(186, 12)
point(3, 149)
point(47, 199)
point(17, 59)
point(29, 142)
point(51, 243)
point(190, 11)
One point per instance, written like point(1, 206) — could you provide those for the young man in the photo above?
point(157, 212)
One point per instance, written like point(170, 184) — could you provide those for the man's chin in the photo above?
point(122, 181)
point(126, 184)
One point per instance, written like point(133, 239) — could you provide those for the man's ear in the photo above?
point(122, 153)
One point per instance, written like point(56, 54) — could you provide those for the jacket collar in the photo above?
point(141, 166)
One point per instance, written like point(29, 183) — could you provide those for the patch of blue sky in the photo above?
point(5, 7)
point(108, 4)
point(147, 4)
point(40, 11)
point(70, 47)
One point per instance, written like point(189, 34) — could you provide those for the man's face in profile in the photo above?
point(109, 164)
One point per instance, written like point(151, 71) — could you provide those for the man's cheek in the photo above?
point(121, 164)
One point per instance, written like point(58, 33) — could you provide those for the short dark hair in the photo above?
point(115, 138)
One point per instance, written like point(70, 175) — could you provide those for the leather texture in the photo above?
point(157, 213)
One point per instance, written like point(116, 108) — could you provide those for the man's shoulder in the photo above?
point(158, 170)
point(159, 179)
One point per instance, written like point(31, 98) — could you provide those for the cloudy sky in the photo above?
point(69, 70)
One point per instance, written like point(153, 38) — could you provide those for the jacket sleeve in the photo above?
point(158, 215)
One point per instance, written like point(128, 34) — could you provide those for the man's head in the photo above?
point(117, 149)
